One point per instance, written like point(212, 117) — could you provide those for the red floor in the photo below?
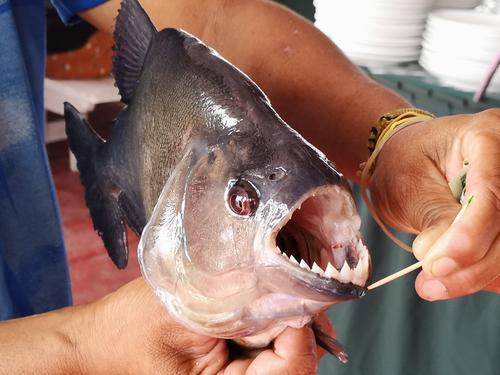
point(93, 275)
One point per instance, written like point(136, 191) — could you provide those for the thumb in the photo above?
point(437, 220)
point(473, 242)
point(424, 241)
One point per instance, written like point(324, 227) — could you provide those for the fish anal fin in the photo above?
point(130, 213)
point(109, 222)
point(101, 196)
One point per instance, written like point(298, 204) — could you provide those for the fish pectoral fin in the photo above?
point(329, 343)
point(133, 33)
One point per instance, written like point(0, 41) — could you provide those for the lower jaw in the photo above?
point(277, 275)
point(263, 338)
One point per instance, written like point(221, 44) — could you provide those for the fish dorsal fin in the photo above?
point(133, 33)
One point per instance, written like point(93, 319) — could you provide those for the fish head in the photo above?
point(254, 231)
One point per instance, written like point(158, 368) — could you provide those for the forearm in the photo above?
point(125, 332)
point(41, 344)
point(310, 83)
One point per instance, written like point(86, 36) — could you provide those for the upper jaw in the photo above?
point(330, 257)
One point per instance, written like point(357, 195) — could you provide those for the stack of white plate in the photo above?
point(458, 4)
point(374, 32)
point(460, 46)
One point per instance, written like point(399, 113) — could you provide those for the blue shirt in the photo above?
point(34, 274)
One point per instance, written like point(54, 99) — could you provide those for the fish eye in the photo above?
point(242, 198)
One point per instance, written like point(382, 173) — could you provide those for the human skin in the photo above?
point(462, 258)
point(316, 90)
point(129, 332)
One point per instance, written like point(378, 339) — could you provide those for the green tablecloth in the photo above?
point(392, 331)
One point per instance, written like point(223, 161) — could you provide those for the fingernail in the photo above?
point(443, 267)
point(433, 290)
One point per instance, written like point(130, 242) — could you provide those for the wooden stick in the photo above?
point(395, 276)
point(417, 265)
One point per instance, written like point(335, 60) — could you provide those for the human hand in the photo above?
point(410, 191)
point(129, 332)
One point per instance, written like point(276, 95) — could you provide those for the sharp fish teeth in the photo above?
point(331, 272)
point(366, 262)
point(345, 273)
point(362, 249)
point(365, 266)
point(317, 269)
point(363, 263)
point(304, 265)
point(357, 274)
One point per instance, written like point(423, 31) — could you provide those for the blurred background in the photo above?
point(442, 55)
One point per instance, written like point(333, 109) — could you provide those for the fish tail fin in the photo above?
point(103, 200)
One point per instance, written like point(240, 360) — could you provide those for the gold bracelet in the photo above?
point(387, 125)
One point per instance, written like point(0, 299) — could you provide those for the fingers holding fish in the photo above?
point(298, 349)
point(132, 317)
point(163, 346)
point(294, 352)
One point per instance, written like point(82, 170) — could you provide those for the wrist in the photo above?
point(80, 334)
point(410, 160)
point(62, 341)
point(39, 344)
point(387, 127)
point(107, 331)
point(95, 342)
point(379, 172)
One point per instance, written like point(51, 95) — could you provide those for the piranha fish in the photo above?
point(245, 227)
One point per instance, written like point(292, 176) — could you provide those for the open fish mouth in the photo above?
point(321, 239)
